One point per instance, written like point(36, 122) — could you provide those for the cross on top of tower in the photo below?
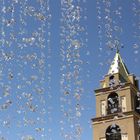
point(118, 46)
point(117, 65)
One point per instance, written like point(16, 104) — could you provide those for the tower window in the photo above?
point(103, 107)
point(113, 103)
point(113, 132)
point(123, 103)
point(111, 77)
point(124, 136)
point(139, 137)
point(111, 81)
point(137, 102)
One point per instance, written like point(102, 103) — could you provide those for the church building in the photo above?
point(117, 105)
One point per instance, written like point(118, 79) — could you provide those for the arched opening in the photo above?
point(113, 132)
point(111, 77)
point(111, 81)
point(113, 103)
point(137, 103)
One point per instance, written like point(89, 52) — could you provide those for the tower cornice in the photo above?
point(106, 89)
point(111, 117)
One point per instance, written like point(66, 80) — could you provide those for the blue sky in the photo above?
point(19, 76)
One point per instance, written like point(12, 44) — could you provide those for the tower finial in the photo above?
point(118, 46)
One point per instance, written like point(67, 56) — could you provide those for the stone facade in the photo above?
point(116, 109)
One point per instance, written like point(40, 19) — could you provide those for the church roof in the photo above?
point(118, 66)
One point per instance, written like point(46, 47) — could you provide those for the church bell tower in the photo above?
point(117, 105)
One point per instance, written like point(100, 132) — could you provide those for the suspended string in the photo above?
point(105, 27)
point(40, 44)
point(99, 9)
point(113, 27)
point(25, 71)
point(136, 28)
point(109, 17)
point(6, 73)
point(109, 23)
point(72, 42)
point(45, 8)
point(100, 24)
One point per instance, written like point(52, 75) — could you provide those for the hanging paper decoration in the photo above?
point(136, 28)
point(25, 69)
point(73, 33)
point(109, 17)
